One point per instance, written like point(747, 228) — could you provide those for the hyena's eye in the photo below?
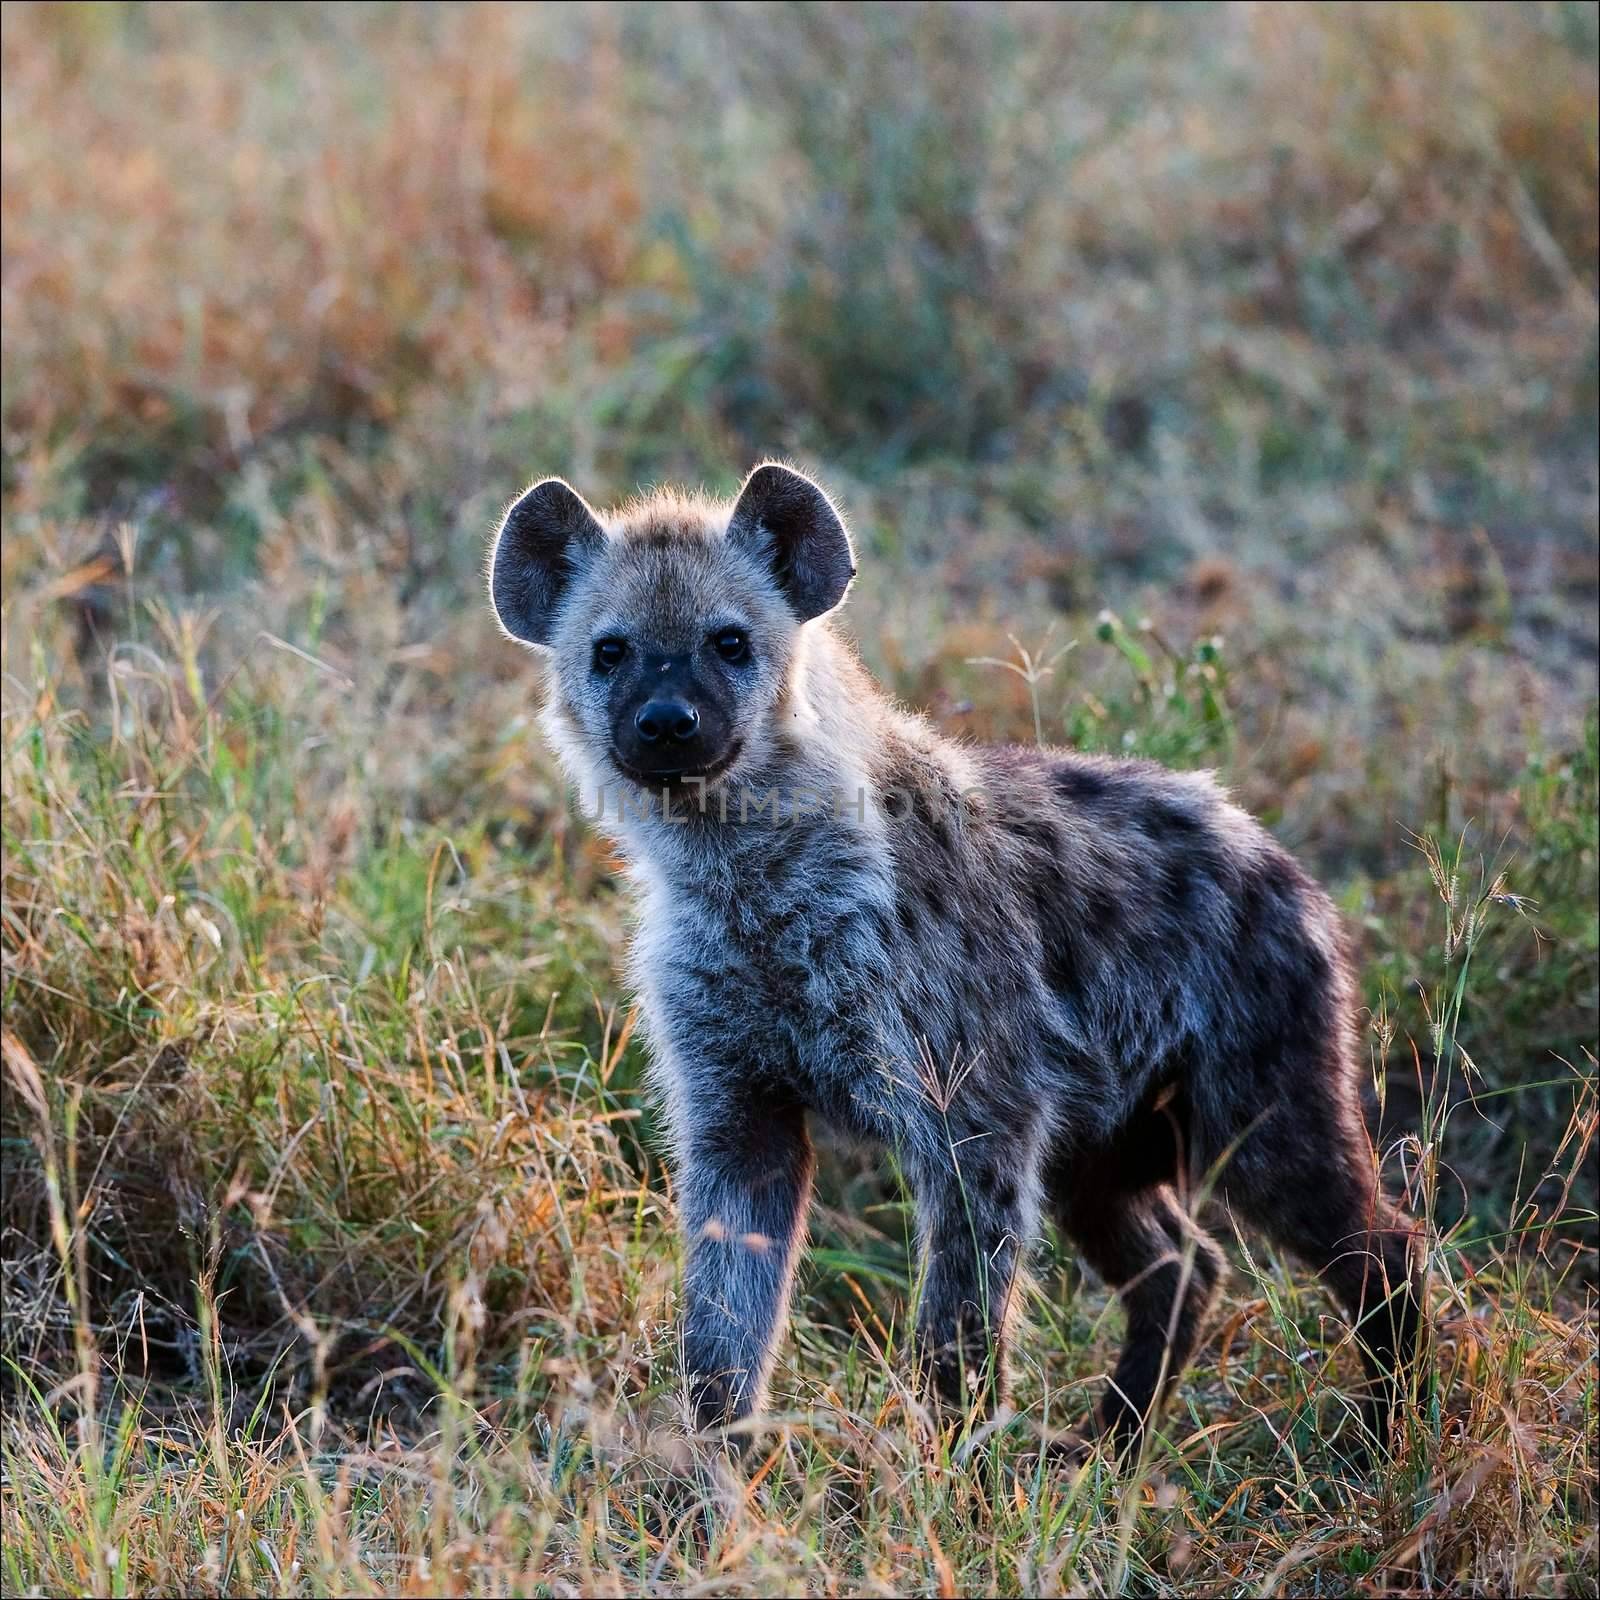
point(608, 653)
point(733, 645)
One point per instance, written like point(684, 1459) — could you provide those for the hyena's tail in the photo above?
point(1320, 1198)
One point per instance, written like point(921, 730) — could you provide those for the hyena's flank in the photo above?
point(1046, 980)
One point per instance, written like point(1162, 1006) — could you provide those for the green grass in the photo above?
point(1213, 384)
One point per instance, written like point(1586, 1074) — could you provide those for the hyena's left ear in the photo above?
point(546, 537)
point(785, 521)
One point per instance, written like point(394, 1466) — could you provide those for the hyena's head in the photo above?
point(673, 625)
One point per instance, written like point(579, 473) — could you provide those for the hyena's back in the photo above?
point(1178, 949)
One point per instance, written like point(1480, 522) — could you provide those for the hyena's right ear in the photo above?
point(790, 526)
point(546, 537)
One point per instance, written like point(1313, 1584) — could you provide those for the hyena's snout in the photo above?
point(671, 727)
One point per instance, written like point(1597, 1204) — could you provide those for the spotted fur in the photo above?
point(1049, 981)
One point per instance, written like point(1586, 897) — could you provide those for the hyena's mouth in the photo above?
point(683, 778)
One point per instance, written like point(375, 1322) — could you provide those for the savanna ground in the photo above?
point(1235, 364)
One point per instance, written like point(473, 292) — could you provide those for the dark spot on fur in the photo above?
point(1164, 821)
point(656, 539)
point(935, 811)
point(1178, 886)
point(1278, 877)
point(1105, 912)
point(1061, 968)
point(1037, 832)
point(1084, 785)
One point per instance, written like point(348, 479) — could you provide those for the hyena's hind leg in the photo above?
point(1319, 1198)
point(1140, 1239)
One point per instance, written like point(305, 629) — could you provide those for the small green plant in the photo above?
point(1176, 710)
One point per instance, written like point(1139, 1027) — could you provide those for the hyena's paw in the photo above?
point(954, 1390)
point(1072, 1449)
point(714, 1419)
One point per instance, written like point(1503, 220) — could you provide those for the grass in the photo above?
point(1228, 378)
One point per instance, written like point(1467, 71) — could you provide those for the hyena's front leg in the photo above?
point(745, 1183)
point(975, 1218)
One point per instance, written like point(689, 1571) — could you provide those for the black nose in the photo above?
point(667, 719)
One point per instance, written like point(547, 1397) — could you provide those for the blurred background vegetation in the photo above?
point(1248, 349)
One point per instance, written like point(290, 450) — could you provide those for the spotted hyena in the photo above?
point(1049, 981)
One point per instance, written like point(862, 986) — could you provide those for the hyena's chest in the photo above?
point(776, 967)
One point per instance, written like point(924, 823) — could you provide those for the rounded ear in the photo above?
point(545, 538)
point(788, 524)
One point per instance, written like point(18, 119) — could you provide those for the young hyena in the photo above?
point(1047, 980)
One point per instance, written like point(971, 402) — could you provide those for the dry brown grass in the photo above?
point(365, 248)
